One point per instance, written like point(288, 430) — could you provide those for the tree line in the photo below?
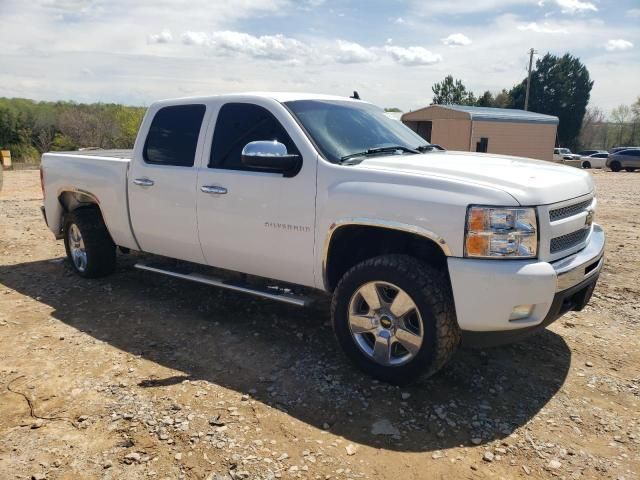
point(29, 128)
point(560, 86)
point(622, 128)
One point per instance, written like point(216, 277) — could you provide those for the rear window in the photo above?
point(173, 135)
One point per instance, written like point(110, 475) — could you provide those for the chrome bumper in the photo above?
point(587, 262)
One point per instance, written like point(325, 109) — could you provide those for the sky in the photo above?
point(391, 52)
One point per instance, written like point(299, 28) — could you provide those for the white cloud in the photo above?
point(162, 37)
point(272, 47)
point(543, 28)
point(412, 56)
point(399, 20)
point(618, 44)
point(633, 13)
point(349, 52)
point(456, 39)
point(576, 6)
point(195, 38)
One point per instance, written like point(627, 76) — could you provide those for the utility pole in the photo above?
point(526, 97)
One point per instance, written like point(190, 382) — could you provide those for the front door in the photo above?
point(162, 184)
point(252, 221)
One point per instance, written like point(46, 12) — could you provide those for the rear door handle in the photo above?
point(213, 189)
point(143, 182)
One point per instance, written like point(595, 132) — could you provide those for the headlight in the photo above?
point(497, 232)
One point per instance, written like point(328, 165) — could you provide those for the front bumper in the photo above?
point(486, 291)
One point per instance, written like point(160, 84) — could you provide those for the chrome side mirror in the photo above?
point(271, 156)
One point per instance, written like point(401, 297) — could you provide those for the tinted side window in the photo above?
point(631, 153)
point(173, 135)
point(239, 124)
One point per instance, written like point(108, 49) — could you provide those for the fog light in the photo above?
point(520, 312)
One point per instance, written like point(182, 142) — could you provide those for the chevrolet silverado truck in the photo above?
point(421, 249)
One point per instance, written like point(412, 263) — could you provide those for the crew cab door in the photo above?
point(162, 183)
point(253, 221)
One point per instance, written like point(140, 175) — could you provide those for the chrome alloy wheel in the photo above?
point(385, 323)
point(76, 248)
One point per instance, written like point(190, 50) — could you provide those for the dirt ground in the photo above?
point(141, 376)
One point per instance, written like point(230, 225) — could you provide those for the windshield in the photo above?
point(343, 128)
point(564, 150)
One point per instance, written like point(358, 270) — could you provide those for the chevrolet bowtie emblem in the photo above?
point(589, 218)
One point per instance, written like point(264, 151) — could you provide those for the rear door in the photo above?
point(598, 160)
point(162, 183)
point(260, 223)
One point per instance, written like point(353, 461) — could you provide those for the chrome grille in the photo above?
point(564, 242)
point(569, 210)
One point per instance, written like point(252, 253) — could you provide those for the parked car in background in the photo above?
point(627, 159)
point(586, 153)
point(594, 160)
point(560, 154)
point(619, 149)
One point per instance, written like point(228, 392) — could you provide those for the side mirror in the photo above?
point(271, 156)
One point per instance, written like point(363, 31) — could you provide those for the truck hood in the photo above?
point(530, 182)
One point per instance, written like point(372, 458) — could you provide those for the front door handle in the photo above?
point(213, 189)
point(143, 182)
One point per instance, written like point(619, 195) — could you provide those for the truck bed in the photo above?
point(100, 174)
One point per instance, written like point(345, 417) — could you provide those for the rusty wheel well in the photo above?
point(352, 244)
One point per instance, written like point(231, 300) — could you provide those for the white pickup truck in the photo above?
point(422, 249)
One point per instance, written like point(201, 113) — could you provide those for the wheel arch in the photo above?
point(344, 246)
point(72, 199)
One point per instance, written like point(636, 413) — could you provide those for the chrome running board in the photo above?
point(271, 294)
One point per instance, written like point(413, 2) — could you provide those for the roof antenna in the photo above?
point(355, 95)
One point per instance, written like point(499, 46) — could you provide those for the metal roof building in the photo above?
point(484, 129)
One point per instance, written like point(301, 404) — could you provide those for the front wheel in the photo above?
point(394, 317)
point(89, 246)
point(615, 166)
point(586, 164)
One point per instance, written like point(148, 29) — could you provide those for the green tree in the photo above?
point(452, 92)
point(560, 86)
point(635, 108)
point(621, 116)
point(29, 128)
point(486, 100)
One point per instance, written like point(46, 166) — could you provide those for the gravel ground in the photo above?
point(141, 376)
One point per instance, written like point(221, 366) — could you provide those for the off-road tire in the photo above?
point(430, 290)
point(98, 244)
point(615, 166)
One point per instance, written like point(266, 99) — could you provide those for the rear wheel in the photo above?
point(89, 246)
point(395, 319)
point(615, 166)
point(586, 164)
point(630, 169)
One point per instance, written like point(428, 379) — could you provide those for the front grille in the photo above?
point(568, 211)
point(564, 242)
